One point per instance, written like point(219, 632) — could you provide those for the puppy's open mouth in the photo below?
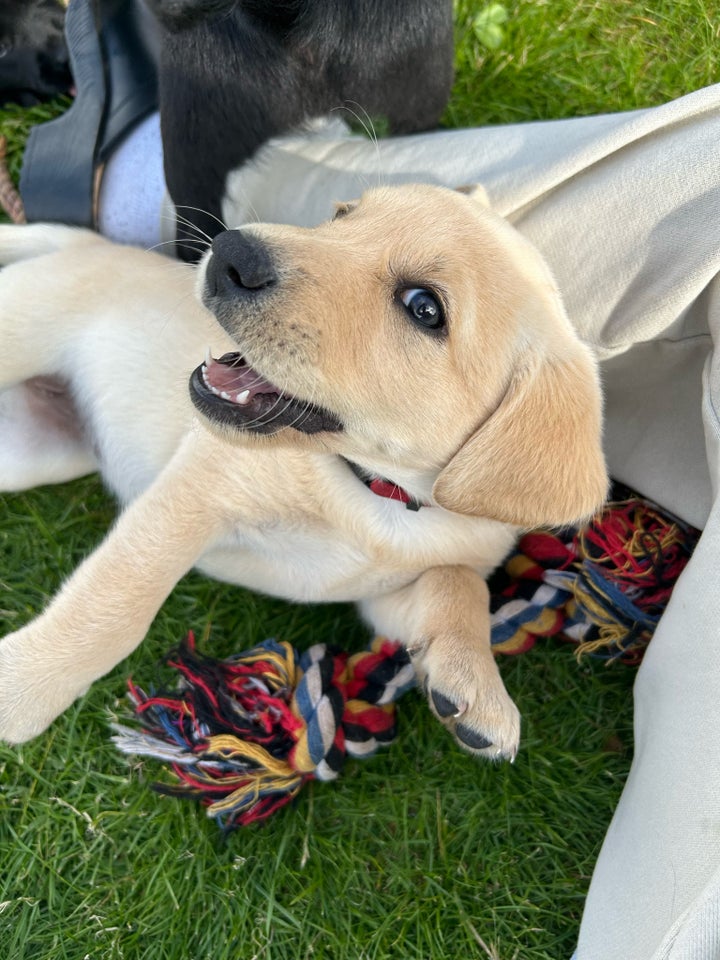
point(230, 392)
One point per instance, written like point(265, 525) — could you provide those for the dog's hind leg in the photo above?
point(41, 437)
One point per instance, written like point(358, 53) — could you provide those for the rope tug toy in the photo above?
point(603, 587)
point(243, 735)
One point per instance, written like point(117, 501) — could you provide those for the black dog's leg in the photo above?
point(226, 87)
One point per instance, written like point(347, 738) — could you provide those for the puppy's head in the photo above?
point(419, 335)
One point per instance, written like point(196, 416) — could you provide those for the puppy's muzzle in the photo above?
point(241, 267)
point(240, 277)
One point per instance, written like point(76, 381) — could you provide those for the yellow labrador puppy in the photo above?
point(414, 346)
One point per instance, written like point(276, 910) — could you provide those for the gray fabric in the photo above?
point(626, 208)
point(695, 935)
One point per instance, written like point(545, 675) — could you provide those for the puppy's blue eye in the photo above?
point(424, 308)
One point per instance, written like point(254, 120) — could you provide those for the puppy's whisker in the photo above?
point(368, 126)
point(366, 122)
point(307, 406)
point(189, 225)
point(186, 206)
point(364, 119)
point(192, 228)
point(183, 235)
point(269, 416)
point(279, 406)
point(175, 217)
point(247, 205)
point(253, 213)
point(201, 241)
point(165, 243)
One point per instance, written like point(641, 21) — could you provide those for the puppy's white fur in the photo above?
point(495, 424)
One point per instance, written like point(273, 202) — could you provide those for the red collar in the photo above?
point(386, 488)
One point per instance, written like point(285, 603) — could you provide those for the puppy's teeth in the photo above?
point(208, 357)
point(242, 397)
point(224, 394)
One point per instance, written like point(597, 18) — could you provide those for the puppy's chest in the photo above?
point(307, 566)
point(370, 554)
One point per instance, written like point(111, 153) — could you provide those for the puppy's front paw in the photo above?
point(466, 693)
point(32, 694)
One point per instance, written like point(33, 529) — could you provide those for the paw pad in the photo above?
point(445, 707)
point(472, 739)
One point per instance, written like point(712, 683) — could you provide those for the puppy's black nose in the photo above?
point(241, 265)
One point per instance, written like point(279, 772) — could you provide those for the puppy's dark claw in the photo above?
point(476, 741)
point(444, 706)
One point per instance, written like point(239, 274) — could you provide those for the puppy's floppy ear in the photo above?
point(537, 460)
point(476, 192)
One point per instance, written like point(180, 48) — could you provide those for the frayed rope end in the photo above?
point(242, 735)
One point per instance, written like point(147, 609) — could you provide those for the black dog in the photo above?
point(234, 74)
point(33, 56)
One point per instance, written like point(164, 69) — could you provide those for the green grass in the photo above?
point(419, 853)
point(564, 59)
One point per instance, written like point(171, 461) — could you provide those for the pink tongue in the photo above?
point(236, 379)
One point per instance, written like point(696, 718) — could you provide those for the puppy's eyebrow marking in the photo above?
point(418, 271)
point(428, 275)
